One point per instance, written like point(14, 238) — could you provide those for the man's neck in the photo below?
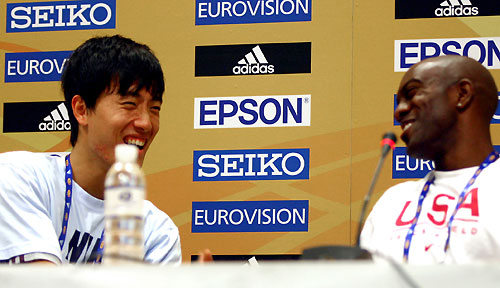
point(88, 172)
point(464, 158)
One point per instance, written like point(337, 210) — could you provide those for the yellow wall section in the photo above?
point(351, 85)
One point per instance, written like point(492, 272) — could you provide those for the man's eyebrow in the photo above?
point(410, 82)
point(404, 89)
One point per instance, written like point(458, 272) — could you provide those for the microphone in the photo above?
point(388, 143)
point(347, 252)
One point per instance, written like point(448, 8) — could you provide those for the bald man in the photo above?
point(445, 105)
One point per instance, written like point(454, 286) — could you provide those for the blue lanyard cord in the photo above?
point(492, 157)
point(100, 249)
point(68, 179)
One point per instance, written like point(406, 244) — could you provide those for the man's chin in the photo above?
point(412, 149)
point(417, 152)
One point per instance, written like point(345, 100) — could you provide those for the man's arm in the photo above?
point(33, 258)
point(26, 231)
point(162, 240)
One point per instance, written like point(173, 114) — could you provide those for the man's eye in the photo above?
point(155, 109)
point(409, 93)
point(129, 104)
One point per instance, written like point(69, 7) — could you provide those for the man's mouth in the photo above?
point(140, 143)
point(406, 126)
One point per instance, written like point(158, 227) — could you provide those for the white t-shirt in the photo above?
point(32, 199)
point(475, 234)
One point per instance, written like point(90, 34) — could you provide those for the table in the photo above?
point(272, 274)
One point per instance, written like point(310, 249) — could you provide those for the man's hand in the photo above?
point(205, 256)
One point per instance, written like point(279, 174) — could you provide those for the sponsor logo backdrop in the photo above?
point(350, 73)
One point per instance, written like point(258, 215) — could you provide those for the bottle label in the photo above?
point(124, 201)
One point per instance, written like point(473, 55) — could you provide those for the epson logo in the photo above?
point(256, 111)
point(494, 120)
point(35, 66)
point(253, 63)
point(250, 216)
point(211, 12)
point(408, 52)
point(253, 59)
point(60, 15)
point(259, 164)
point(453, 8)
point(35, 117)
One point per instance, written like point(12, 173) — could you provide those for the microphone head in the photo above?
point(390, 136)
point(388, 142)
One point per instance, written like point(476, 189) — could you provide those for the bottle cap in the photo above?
point(126, 153)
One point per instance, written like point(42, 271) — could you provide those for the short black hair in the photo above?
point(110, 62)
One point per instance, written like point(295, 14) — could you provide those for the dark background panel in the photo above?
point(259, 258)
point(287, 58)
point(406, 9)
point(26, 116)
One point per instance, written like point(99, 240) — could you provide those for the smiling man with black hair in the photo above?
point(113, 87)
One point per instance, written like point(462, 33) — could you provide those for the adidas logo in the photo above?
point(253, 63)
point(456, 8)
point(58, 120)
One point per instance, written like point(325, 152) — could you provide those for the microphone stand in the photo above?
point(342, 252)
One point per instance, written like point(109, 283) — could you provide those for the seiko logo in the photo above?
point(452, 8)
point(256, 111)
point(260, 164)
point(60, 15)
point(254, 63)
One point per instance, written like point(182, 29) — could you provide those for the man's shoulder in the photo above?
point(405, 186)
point(161, 236)
point(152, 211)
point(26, 159)
point(20, 156)
point(155, 218)
point(403, 190)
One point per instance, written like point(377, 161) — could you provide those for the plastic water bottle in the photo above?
point(124, 192)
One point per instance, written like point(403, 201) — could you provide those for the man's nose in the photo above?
point(401, 110)
point(143, 121)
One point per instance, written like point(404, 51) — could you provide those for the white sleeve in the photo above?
point(25, 225)
point(162, 240)
point(377, 221)
point(366, 237)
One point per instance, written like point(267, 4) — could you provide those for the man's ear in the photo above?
point(465, 93)
point(80, 110)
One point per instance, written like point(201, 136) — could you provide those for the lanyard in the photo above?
point(68, 179)
point(492, 157)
